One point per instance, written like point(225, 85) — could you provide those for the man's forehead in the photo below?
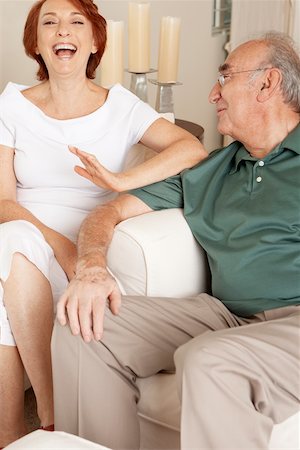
point(247, 54)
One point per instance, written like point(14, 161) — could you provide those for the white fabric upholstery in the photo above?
point(148, 258)
point(157, 255)
point(45, 440)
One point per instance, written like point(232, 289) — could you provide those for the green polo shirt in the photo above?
point(245, 213)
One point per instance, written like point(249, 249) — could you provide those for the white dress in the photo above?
point(46, 182)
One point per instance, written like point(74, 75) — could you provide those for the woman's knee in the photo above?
point(18, 228)
point(22, 238)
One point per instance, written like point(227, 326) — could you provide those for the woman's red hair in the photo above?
point(90, 11)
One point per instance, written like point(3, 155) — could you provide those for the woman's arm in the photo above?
point(64, 250)
point(176, 149)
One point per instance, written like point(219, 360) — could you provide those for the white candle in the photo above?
point(168, 49)
point(112, 62)
point(139, 37)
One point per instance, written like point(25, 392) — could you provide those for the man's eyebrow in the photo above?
point(224, 67)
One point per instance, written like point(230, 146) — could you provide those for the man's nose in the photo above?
point(215, 93)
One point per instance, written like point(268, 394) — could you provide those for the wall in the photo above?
point(200, 54)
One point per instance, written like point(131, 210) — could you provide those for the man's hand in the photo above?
point(85, 299)
point(84, 302)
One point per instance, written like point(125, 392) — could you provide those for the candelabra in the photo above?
point(164, 96)
point(138, 84)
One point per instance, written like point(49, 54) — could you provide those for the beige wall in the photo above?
point(200, 53)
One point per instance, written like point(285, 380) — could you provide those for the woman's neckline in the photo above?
point(19, 88)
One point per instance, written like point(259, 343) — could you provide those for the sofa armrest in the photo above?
point(155, 254)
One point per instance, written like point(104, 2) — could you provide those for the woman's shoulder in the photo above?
point(118, 92)
point(34, 93)
point(120, 98)
point(12, 89)
point(11, 94)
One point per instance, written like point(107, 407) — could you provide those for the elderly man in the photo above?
point(236, 353)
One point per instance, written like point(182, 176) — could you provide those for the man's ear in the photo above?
point(270, 84)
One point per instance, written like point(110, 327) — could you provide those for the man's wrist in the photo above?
point(91, 264)
point(91, 274)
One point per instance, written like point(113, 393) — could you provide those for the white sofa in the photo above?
point(45, 440)
point(157, 255)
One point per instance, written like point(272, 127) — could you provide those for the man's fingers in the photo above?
point(84, 304)
point(61, 310)
point(115, 300)
point(72, 308)
point(98, 319)
point(85, 319)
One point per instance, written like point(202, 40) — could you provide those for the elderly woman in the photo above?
point(43, 200)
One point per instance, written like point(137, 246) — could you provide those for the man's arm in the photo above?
point(84, 301)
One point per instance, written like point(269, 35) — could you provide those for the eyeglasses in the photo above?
point(222, 76)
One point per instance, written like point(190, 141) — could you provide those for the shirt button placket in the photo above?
point(257, 174)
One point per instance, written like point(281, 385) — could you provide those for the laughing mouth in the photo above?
point(64, 49)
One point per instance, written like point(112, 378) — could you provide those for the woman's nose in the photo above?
point(63, 30)
point(215, 93)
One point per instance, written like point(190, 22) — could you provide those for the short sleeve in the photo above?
point(6, 136)
point(163, 195)
point(142, 117)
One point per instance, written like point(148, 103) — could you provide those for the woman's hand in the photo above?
point(95, 172)
point(176, 149)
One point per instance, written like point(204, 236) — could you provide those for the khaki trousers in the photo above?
point(236, 377)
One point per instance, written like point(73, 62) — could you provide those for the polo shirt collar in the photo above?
point(291, 142)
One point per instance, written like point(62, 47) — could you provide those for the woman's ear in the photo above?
point(94, 48)
point(270, 84)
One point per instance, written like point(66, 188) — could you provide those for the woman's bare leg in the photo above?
point(29, 305)
point(11, 395)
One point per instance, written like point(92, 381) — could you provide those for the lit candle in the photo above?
point(112, 62)
point(168, 49)
point(139, 37)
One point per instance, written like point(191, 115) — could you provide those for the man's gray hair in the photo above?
point(282, 54)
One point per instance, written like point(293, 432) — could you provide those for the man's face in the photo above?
point(236, 100)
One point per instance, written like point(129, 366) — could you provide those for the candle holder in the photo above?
point(138, 83)
point(164, 96)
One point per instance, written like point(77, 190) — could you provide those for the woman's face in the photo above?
point(64, 38)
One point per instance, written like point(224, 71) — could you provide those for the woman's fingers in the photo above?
point(94, 171)
point(91, 163)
